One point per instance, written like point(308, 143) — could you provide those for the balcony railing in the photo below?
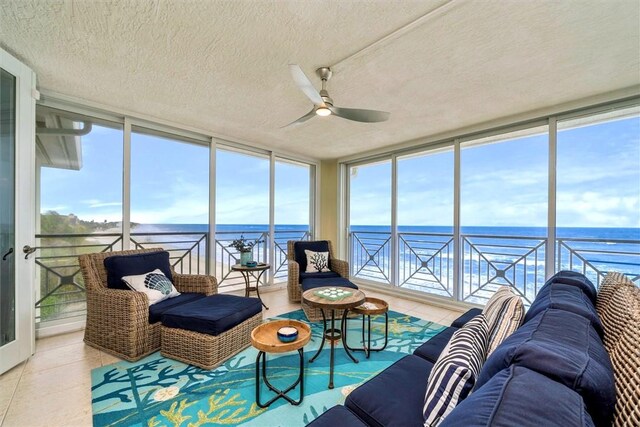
point(62, 291)
point(425, 262)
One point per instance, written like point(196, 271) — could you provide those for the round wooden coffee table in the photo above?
point(333, 334)
point(265, 339)
point(371, 307)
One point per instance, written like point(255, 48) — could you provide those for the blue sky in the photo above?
point(503, 184)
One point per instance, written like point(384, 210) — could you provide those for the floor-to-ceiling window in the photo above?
point(370, 234)
point(170, 197)
point(598, 193)
point(462, 217)
point(242, 209)
point(425, 221)
point(503, 213)
point(107, 182)
point(292, 209)
point(79, 166)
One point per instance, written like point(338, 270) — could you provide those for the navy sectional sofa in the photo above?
point(553, 371)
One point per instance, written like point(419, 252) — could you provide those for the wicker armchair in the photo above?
point(293, 286)
point(118, 320)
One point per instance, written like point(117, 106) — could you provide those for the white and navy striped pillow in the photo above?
point(455, 372)
point(504, 312)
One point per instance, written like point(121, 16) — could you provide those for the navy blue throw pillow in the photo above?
point(118, 266)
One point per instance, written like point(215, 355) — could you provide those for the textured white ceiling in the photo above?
point(222, 65)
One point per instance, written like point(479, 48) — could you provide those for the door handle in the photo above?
point(4, 258)
point(28, 250)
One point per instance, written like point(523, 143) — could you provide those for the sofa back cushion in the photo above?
point(518, 396)
point(567, 298)
point(565, 348)
point(576, 279)
point(315, 246)
point(455, 372)
point(118, 266)
point(504, 312)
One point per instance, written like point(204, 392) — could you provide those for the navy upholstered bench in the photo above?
point(209, 330)
point(312, 313)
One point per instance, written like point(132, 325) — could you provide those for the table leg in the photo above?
point(247, 284)
point(258, 289)
point(344, 342)
point(333, 328)
point(280, 394)
point(324, 337)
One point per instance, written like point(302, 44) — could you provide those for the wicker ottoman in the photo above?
point(313, 313)
point(208, 331)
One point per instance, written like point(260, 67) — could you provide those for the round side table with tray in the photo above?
point(370, 307)
point(247, 273)
point(265, 339)
point(333, 298)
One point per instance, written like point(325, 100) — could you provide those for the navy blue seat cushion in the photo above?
point(575, 279)
point(338, 416)
point(212, 315)
point(564, 347)
point(431, 349)
point(158, 309)
point(518, 396)
point(315, 246)
point(319, 283)
point(395, 396)
point(567, 298)
point(118, 266)
point(462, 320)
point(319, 275)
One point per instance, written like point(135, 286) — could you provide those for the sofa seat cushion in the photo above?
point(319, 283)
point(518, 396)
point(568, 298)
point(316, 246)
point(118, 266)
point(432, 349)
point(158, 309)
point(576, 279)
point(470, 314)
point(325, 275)
point(395, 396)
point(564, 347)
point(338, 416)
point(212, 315)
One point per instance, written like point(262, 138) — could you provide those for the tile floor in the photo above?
point(52, 388)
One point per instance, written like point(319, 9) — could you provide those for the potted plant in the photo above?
point(245, 247)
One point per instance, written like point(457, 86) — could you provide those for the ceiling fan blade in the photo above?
point(359, 115)
point(302, 119)
point(305, 84)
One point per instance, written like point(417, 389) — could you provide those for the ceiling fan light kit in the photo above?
point(322, 102)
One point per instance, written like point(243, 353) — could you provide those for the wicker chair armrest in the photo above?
point(339, 266)
point(198, 283)
point(120, 307)
point(293, 281)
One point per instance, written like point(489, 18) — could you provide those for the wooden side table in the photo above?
point(265, 339)
point(333, 334)
point(246, 275)
point(370, 307)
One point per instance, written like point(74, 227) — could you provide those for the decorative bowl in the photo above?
point(251, 264)
point(287, 334)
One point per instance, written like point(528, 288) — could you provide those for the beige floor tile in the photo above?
point(56, 341)
point(12, 374)
point(61, 356)
point(61, 377)
point(7, 389)
point(108, 359)
point(49, 409)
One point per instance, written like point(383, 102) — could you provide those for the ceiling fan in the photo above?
point(323, 104)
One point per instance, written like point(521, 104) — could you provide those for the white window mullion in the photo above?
point(272, 211)
point(550, 252)
point(394, 259)
point(126, 185)
point(213, 265)
point(457, 243)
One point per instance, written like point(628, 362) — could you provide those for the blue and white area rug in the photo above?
point(158, 391)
